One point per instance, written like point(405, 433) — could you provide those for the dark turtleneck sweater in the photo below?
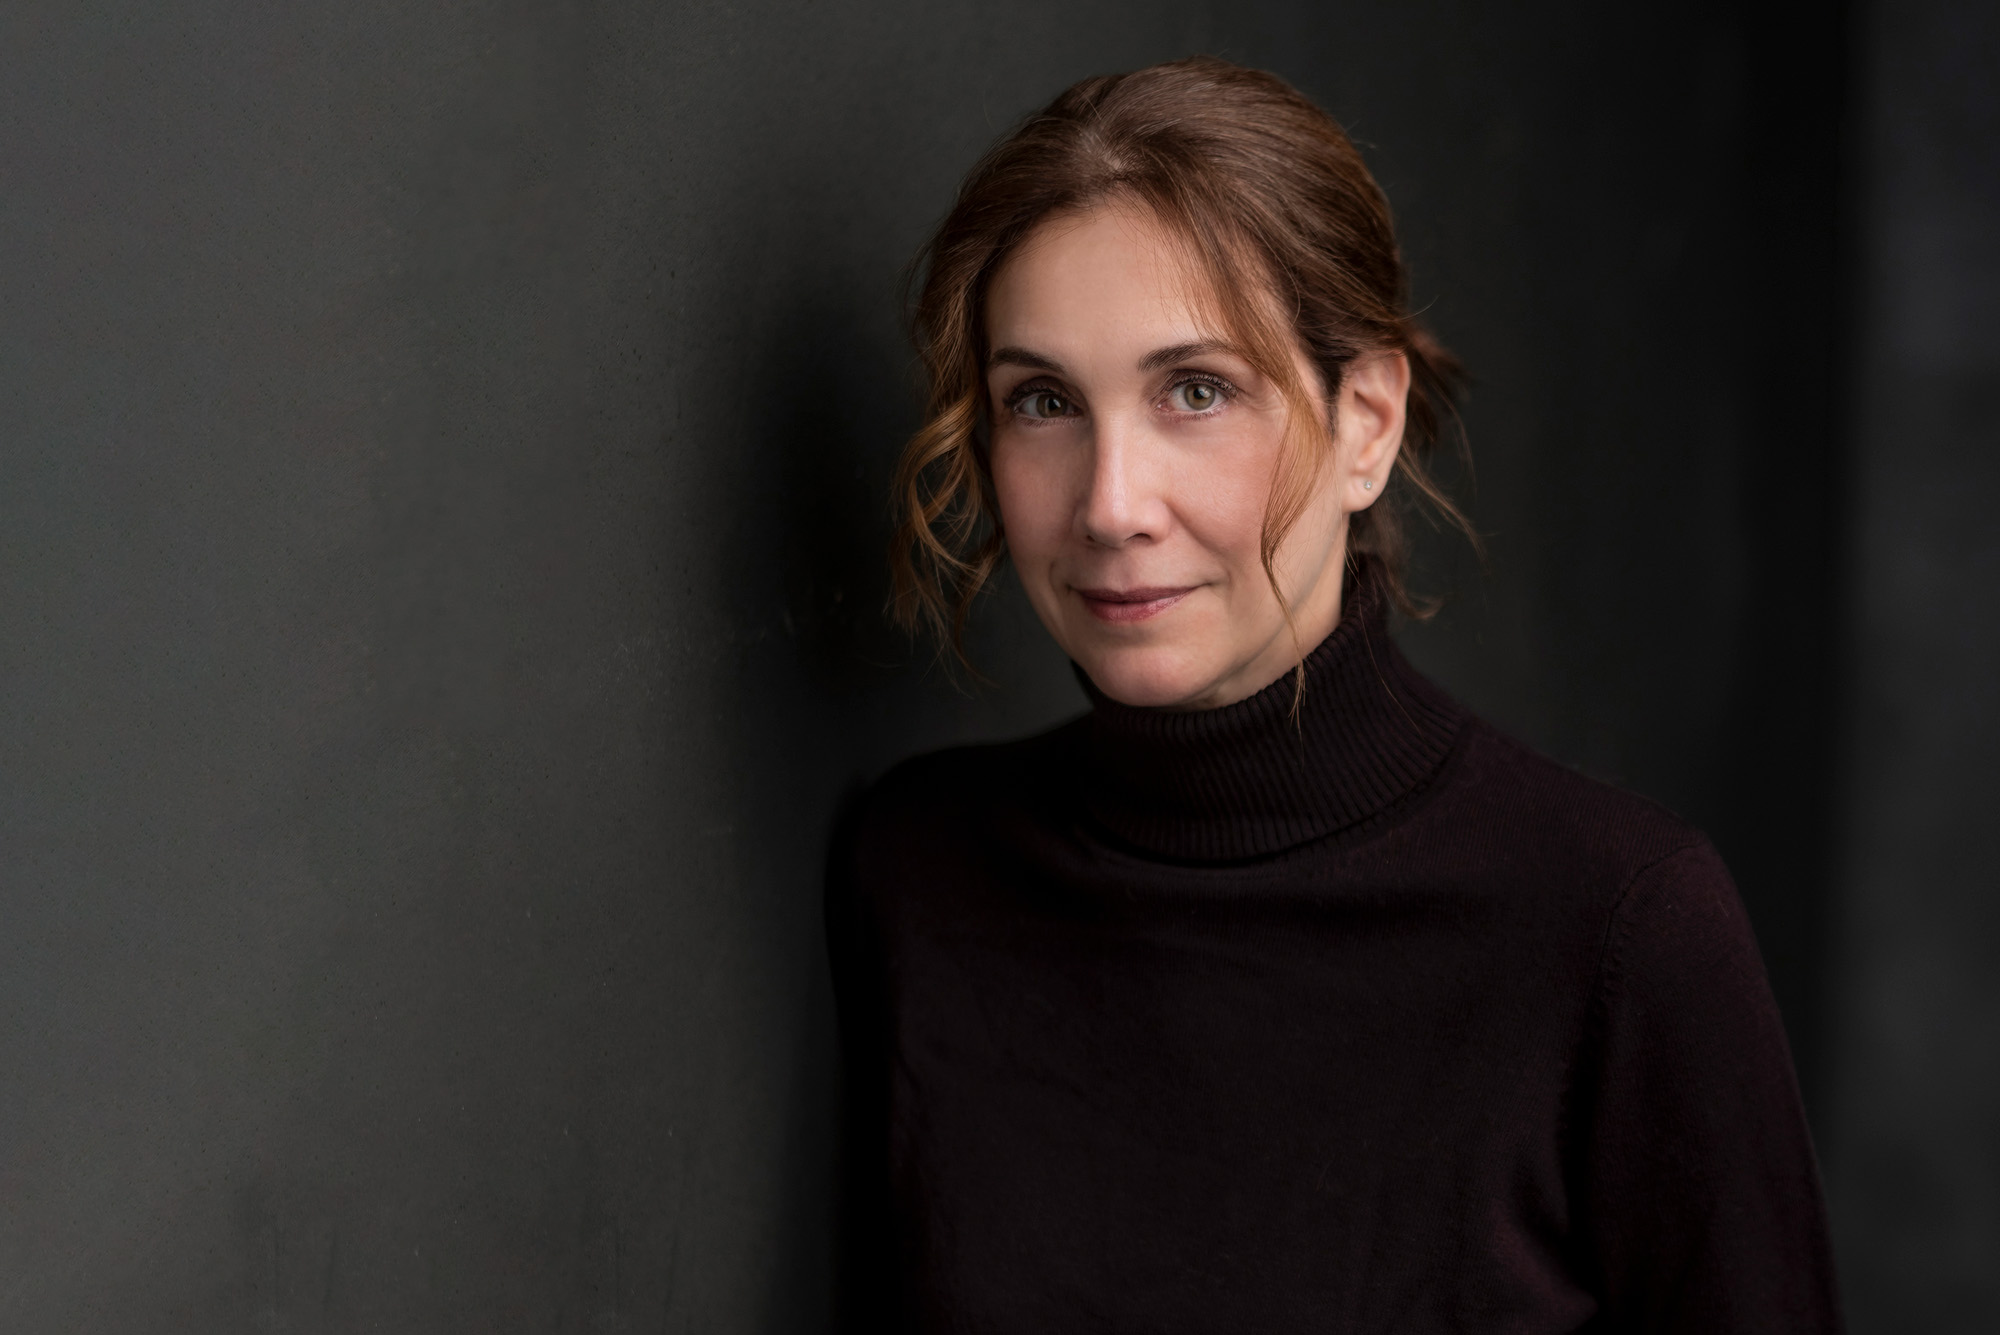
point(1374, 1020)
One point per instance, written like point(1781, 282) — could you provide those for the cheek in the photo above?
point(1220, 498)
point(1033, 493)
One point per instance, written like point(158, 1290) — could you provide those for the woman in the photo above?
point(1276, 993)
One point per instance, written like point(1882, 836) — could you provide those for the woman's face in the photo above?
point(1134, 452)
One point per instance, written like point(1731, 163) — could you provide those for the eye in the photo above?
point(1194, 396)
point(1042, 403)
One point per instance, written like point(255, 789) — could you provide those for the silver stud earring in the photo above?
point(1367, 484)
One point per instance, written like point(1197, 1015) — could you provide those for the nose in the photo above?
point(1125, 502)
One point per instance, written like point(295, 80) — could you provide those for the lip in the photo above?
point(1122, 606)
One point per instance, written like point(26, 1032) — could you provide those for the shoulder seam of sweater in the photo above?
point(1597, 1003)
point(1612, 921)
point(1526, 751)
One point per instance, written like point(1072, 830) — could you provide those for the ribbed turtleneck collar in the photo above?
point(1246, 780)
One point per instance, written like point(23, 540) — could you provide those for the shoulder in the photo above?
point(984, 766)
point(1665, 923)
point(941, 799)
point(1669, 929)
point(1516, 806)
point(968, 778)
point(1680, 944)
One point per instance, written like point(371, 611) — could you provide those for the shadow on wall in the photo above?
point(827, 692)
point(827, 439)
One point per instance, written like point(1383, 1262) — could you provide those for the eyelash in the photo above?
point(1023, 392)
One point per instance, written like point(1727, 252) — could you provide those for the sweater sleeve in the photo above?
point(1700, 1192)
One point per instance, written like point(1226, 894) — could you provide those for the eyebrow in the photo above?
point(1034, 361)
point(1180, 352)
point(1152, 361)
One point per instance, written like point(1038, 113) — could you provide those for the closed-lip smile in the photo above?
point(1124, 605)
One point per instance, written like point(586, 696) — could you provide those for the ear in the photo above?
point(1374, 403)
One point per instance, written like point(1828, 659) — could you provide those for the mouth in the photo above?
point(1120, 606)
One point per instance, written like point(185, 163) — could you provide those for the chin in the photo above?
point(1154, 677)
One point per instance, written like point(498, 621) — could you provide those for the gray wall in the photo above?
point(441, 469)
point(1913, 1140)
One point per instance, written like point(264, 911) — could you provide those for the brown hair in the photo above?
point(1272, 201)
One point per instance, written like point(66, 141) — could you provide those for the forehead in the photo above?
point(1109, 272)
